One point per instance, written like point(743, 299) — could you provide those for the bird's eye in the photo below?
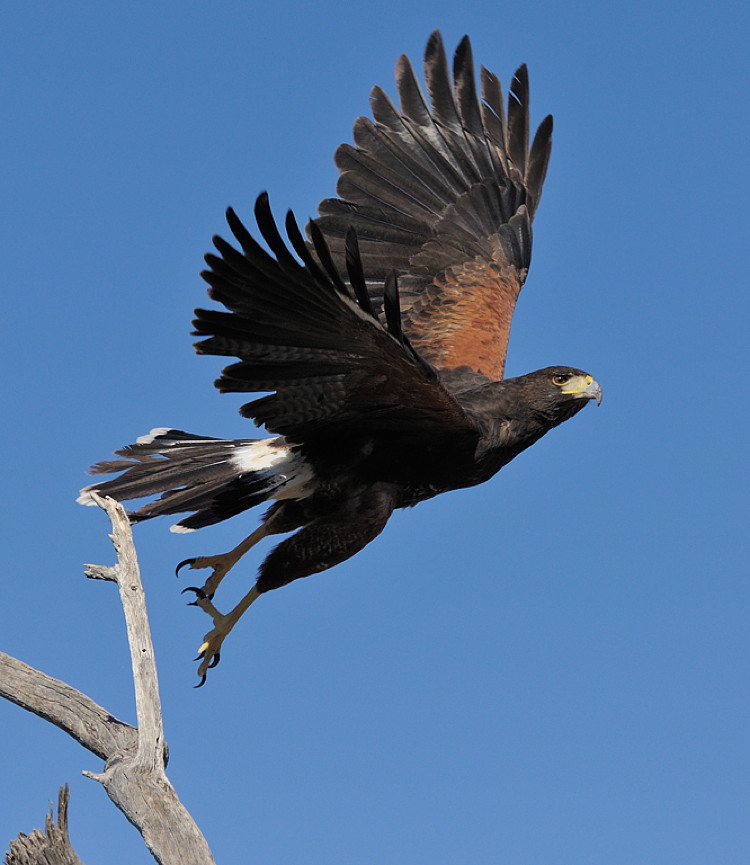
point(561, 379)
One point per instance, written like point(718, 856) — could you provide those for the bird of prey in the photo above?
point(379, 339)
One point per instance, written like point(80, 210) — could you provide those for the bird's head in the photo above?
point(559, 392)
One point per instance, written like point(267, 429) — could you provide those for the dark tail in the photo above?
point(213, 478)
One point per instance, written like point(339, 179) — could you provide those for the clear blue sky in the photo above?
point(551, 669)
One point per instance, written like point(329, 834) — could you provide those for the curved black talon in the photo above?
point(200, 595)
point(214, 661)
point(182, 565)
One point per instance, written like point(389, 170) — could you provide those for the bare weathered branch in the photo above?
point(133, 775)
point(151, 747)
point(65, 707)
point(51, 847)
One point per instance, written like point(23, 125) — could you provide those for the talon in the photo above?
point(182, 565)
point(202, 682)
point(200, 595)
point(208, 655)
point(208, 651)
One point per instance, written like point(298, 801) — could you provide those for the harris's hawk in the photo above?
point(379, 339)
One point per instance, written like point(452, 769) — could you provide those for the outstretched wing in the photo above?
point(445, 195)
point(302, 333)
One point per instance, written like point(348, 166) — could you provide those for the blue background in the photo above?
point(547, 670)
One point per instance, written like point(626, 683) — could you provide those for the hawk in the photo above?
point(378, 338)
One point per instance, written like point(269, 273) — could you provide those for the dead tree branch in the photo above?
point(133, 775)
point(65, 707)
point(51, 847)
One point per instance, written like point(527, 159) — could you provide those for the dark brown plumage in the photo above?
point(379, 340)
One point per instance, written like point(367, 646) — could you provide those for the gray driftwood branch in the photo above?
point(135, 757)
point(51, 847)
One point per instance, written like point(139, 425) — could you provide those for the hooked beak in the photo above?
point(584, 387)
point(593, 391)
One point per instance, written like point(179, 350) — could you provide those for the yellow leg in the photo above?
point(209, 652)
point(223, 563)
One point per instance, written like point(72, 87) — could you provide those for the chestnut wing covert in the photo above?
point(444, 195)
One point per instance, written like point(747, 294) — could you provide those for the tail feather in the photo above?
point(213, 478)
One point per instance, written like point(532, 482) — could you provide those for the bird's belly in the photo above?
point(422, 472)
point(417, 469)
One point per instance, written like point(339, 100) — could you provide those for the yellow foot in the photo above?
point(220, 565)
point(209, 652)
